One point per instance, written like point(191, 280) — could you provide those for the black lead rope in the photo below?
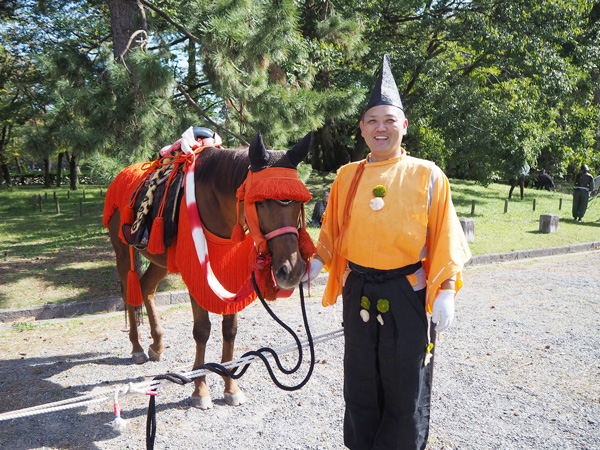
point(234, 373)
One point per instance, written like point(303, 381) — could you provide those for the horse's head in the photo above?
point(274, 197)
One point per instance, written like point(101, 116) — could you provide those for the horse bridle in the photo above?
point(283, 230)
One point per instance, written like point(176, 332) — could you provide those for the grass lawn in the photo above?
point(47, 257)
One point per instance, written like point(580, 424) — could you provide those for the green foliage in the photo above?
point(487, 86)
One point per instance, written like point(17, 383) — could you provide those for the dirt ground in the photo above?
point(518, 369)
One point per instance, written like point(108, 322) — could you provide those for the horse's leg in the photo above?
point(201, 395)
point(149, 282)
point(232, 393)
point(522, 184)
point(123, 265)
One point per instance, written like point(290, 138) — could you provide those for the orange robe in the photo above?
point(411, 226)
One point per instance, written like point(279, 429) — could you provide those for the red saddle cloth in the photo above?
point(230, 261)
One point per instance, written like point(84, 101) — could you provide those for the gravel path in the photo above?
point(519, 369)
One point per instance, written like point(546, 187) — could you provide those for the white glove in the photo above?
point(443, 310)
point(316, 265)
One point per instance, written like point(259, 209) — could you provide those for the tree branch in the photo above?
point(207, 117)
point(168, 18)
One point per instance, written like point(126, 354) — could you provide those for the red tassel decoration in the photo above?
point(134, 289)
point(156, 243)
point(238, 233)
point(305, 244)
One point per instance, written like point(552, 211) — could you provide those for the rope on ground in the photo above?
point(146, 387)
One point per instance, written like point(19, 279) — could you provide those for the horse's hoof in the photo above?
point(139, 358)
point(235, 399)
point(202, 402)
point(153, 355)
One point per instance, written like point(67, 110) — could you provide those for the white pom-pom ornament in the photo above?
point(377, 203)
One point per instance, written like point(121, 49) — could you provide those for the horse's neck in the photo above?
point(218, 212)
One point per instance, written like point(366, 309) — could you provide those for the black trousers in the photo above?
point(387, 388)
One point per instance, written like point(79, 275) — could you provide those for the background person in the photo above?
point(394, 249)
point(584, 184)
point(319, 210)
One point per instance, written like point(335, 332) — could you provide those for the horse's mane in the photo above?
point(223, 167)
point(227, 168)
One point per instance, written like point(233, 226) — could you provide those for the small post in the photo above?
point(68, 194)
point(84, 193)
point(40, 202)
point(473, 208)
point(560, 204)
point(57, 205)
point(534, 200)
point(468, 226)
point(34, 198)
point(505, 205)
point(548, 223)
point(54, 195)
point(45, 196)
point(100, 192)
point(80, 207)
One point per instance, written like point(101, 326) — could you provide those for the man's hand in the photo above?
point(316, 265)
point(443, 309)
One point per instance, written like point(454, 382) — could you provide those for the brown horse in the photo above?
point(221, 175)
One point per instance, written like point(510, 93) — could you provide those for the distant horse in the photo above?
point(236, 190)
point(543, 180)
point(521, 181)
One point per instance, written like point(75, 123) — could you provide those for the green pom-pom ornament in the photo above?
point(364, 302)
point(379, 191)
point(383, 305)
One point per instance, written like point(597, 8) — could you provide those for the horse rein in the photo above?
point(234, 373)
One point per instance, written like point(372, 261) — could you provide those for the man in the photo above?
point(319, 210)
point(584, 184)
point(394, 249)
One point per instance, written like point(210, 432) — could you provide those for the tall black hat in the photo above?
point(385, 91)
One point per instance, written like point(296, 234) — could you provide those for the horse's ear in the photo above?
point(257, 153)
point(299, 151)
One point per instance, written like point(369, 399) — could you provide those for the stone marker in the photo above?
point(468, 226)
point(548, 223)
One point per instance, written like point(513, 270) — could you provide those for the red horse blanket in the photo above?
point(230, 261)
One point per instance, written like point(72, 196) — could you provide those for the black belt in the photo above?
point(370, 274)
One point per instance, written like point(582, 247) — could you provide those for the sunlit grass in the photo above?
point(47, 257)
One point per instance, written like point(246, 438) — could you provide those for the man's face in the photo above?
point(383, 127)
point(326, 197)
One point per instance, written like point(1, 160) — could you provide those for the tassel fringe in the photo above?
point(156, 243)
point(134, 289)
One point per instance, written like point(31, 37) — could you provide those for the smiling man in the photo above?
point(395, 249)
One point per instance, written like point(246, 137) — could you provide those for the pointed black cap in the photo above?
point(385, 91)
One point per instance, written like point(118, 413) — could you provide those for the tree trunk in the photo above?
point(73, 169)
point(326, 156)
point(6, 175)
point(59, 169)
point(3, 158)
point(126, 17)
point(47, 167)
point(360, 148)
